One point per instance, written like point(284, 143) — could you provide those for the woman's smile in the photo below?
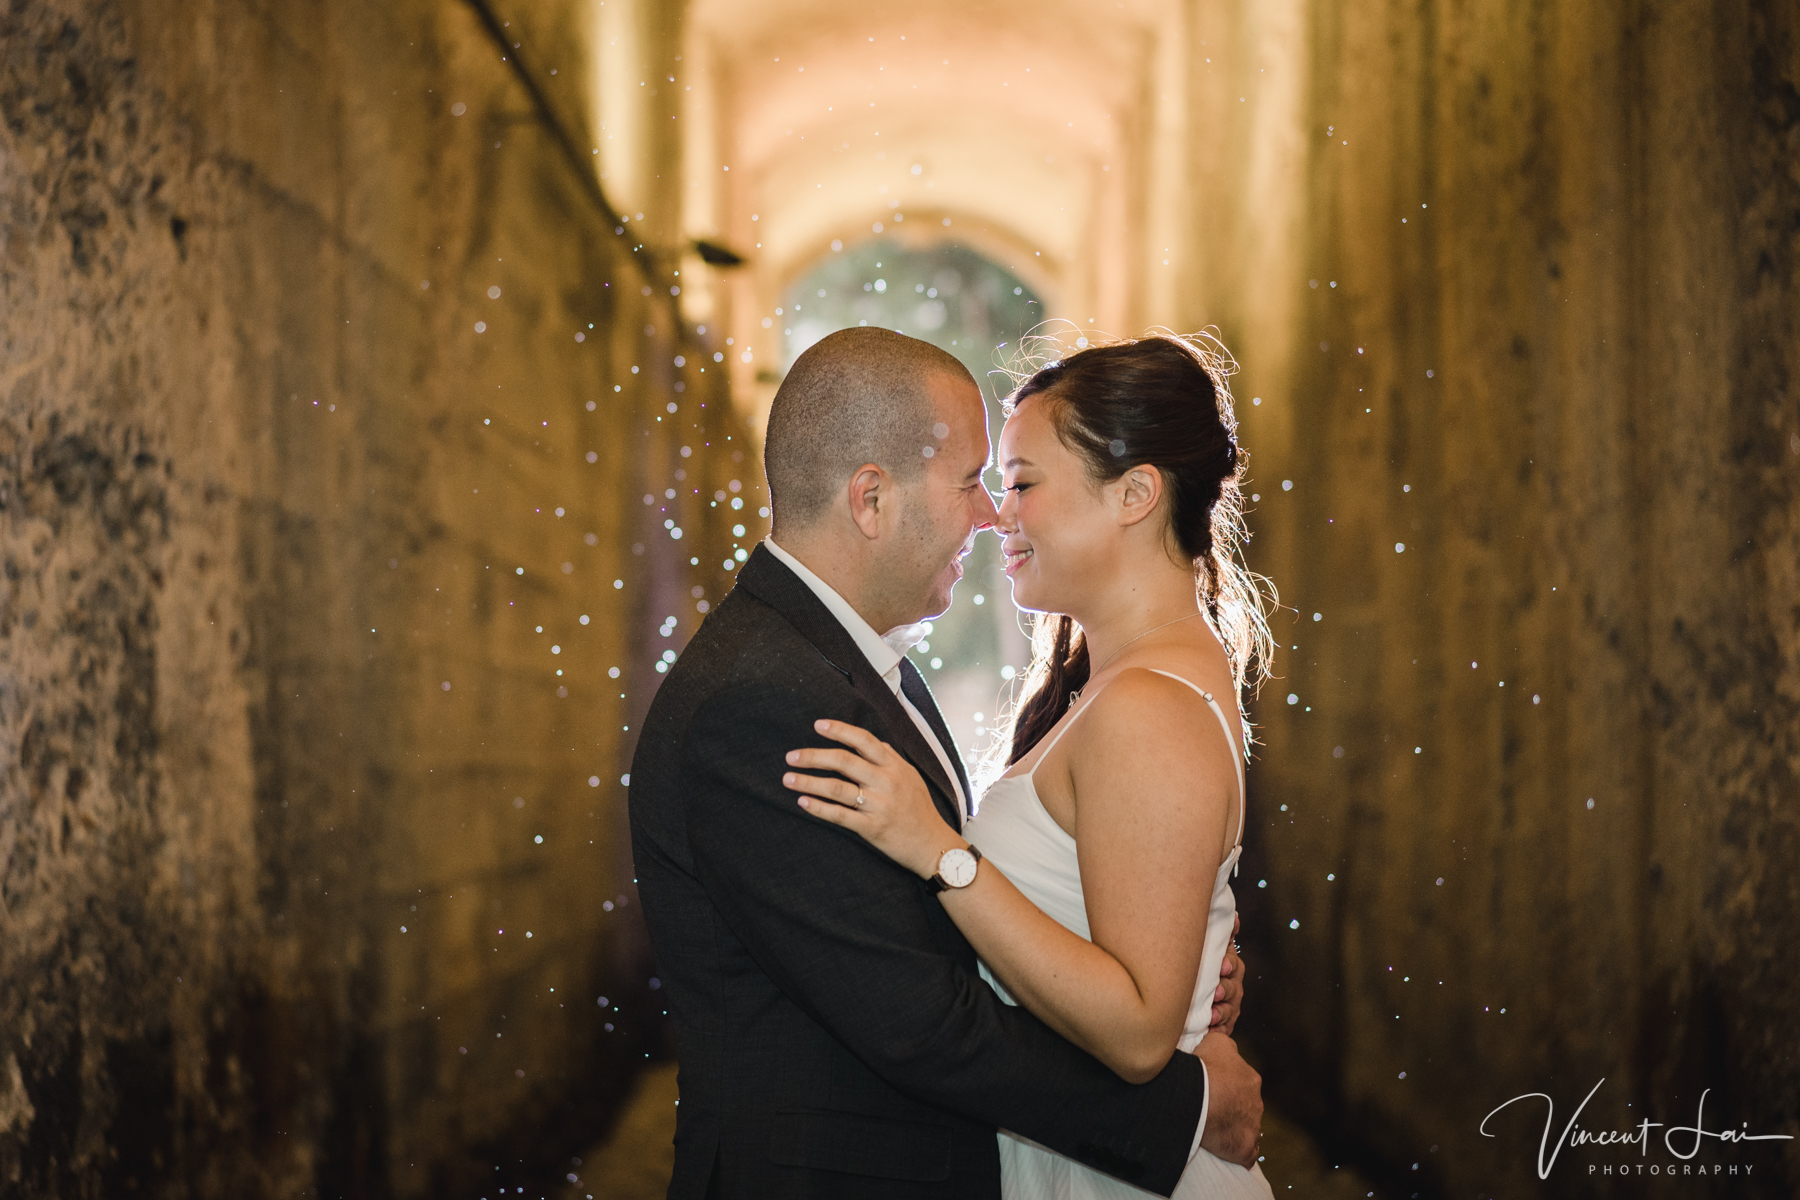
point(1016, 558)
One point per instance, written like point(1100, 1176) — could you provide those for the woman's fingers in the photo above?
point(835, 790)
point(855, 737)
point(837, 814)
point(850, 765)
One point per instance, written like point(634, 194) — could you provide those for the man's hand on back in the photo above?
point(1228, 997)
point(1234, 1110)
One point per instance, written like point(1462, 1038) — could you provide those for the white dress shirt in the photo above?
point(884, 652)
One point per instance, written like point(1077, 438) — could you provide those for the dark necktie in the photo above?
point(913, 687)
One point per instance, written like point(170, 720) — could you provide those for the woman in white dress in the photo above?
point(1103, 901)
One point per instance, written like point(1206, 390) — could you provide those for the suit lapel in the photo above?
point(769, 580)
point(915, 689)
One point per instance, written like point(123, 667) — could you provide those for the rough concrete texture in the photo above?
point(309, 840)
point(1529, 818)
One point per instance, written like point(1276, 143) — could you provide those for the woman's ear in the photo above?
point(1139, 491)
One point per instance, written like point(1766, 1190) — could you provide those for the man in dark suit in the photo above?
point(835, 1039)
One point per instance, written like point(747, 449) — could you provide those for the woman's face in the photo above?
point(1058, 532)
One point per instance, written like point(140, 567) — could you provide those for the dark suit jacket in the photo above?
point(834, 1037)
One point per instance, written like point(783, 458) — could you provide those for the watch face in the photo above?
point(957, 867)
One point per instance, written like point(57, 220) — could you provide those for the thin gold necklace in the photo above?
point(1121, 650)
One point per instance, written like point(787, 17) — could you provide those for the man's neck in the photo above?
point(844, 569)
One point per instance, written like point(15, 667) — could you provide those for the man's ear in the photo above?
point(1137, 493)
point(870, 488)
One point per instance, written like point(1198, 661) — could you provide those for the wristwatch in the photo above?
point(956, 869)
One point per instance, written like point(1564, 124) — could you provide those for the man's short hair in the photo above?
point(856, 396)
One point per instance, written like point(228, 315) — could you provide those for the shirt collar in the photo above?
point(884, 651)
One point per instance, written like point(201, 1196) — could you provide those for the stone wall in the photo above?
point(1526, 808)
point(326, 381)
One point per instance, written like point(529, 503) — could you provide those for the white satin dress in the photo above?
point(1016, 833)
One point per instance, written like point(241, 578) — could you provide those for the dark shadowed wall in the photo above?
point(326, 382)
point(1529, 802)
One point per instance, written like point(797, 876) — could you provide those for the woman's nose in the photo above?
point(1003, 515)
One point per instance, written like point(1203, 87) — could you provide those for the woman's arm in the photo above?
point(1150, 816)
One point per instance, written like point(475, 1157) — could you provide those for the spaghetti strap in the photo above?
point(1231, 742)
point(1045, 752)
point(1224, 723)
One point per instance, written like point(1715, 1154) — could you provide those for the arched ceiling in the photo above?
point(1018, 125)
point(1033, 135)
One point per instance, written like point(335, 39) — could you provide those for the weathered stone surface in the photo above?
point(1544, 761)
point(281, 522)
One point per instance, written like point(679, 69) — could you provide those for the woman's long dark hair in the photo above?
point(1162, 400)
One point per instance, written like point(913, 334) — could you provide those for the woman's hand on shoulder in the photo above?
point(881, 797)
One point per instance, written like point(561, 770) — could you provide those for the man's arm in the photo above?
point(847, 935)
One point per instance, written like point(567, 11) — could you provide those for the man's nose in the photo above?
point(985, 513)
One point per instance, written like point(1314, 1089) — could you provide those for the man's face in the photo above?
point(946, 505)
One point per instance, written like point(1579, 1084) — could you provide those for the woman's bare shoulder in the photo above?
point(1139, 707)
point(1155, 706)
